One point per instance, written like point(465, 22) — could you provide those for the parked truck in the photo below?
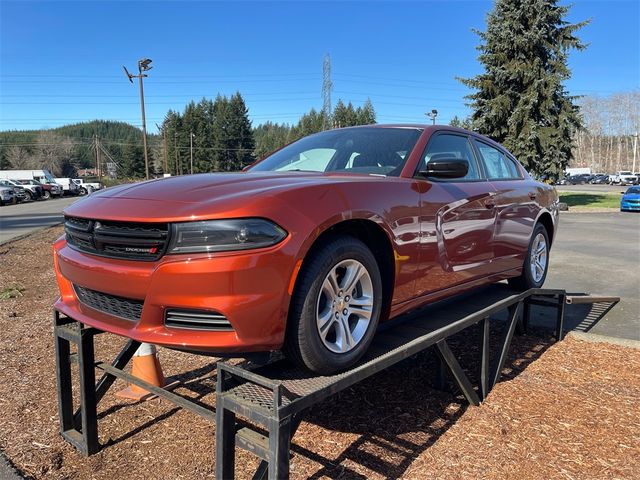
point(86, 187)
point(69, 187)
point(623, 178)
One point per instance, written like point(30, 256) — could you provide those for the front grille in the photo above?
point(126, 308)
point(133, 241)
point(197, 320)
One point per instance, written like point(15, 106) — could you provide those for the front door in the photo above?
point(516, 207)
point(457, 219)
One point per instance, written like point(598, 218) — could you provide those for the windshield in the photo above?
point(633, 190)
point(366, 150)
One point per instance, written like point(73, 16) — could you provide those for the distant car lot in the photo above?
point(589, 188)
point(24, 218)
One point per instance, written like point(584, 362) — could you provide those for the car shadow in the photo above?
point(399, 413)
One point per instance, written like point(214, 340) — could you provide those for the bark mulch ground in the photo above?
point(568, 410)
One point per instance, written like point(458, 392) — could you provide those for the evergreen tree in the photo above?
point(366, 115)
point(461, 123)
point(132, 162)
point(520, 100)
point(270, 137)
point(340, 115)
point(351, 116)
point(240, 133)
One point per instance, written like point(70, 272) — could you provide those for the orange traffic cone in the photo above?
point(146, 366)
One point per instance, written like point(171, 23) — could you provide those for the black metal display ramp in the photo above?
point(260, 408)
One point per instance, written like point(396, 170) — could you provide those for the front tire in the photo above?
point(46, 195)
point(335, 307)
point(536, 263)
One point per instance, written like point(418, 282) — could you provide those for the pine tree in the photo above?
point(340, 114)
point(366, 115)
point(461, 123)
point(351, 116)
point(520, 100)
point(132, 164)
point(240, 132)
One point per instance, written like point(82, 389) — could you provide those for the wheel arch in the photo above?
point(375, 237)
point(546, 220)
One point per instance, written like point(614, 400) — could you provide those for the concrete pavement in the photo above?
point(25, 218)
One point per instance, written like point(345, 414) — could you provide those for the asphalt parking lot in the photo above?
point(25, 218)
point(599, 253)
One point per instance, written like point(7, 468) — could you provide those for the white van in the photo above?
point(43, 176)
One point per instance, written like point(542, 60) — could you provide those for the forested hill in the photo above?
point(71, 145)
point(105, 129)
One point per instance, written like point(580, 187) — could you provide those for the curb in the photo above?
point(25, 235)
point(595, 338)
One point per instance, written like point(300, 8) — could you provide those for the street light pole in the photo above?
point(143, 66)
point(191, 150)
point(432, 115)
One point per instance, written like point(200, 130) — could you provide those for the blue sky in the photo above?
point(60, 62)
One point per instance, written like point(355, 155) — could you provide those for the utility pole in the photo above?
point(191, 135)
point(175, 150)
point(432, 115)
point(97, 147)
point(143, 66)
point(327, 86)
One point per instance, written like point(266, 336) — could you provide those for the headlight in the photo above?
point(224, 235)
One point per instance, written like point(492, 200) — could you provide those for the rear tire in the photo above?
point(83, 192)
point(536, 263)
point(335, 307)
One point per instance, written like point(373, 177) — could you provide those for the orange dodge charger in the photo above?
point(310, 248)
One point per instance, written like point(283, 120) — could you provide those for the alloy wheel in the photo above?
point(538, 258)
point(345, 306)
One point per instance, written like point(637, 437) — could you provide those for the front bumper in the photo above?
point(249, 289)
point(630, 205)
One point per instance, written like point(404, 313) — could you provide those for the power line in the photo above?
point(268, 100)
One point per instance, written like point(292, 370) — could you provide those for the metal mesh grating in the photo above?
point(126, 308)
point(256, 394)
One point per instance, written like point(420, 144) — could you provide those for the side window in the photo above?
point(451, 146)
point(497, 165)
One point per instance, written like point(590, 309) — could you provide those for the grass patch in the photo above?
point(591, 200)
point(12, 291)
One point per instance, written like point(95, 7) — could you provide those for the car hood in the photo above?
point(191, 197)
point(631, 196)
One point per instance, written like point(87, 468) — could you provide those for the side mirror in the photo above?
point(446, 168)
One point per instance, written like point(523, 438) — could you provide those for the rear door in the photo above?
point(515, 204)
point(457, 219)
